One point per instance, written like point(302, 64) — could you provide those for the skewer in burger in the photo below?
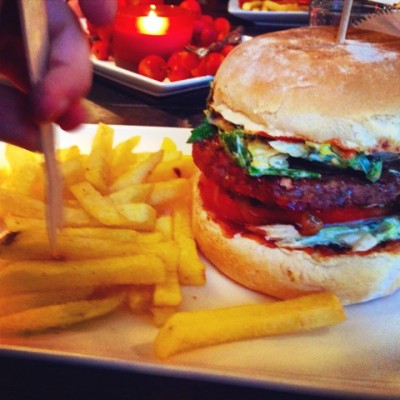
point(300, 175)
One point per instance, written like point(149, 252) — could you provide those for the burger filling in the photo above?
point(298, 193)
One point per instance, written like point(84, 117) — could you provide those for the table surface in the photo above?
point(47, 379)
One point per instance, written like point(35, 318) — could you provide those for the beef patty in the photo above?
point(335, 189)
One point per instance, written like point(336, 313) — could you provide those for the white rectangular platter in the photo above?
point(133, 80)
point(359, 357)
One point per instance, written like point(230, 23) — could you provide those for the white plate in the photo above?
point(133, 80)
point(284, 19)
point(359, 357)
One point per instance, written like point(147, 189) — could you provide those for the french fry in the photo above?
point(33, 276)
point(155, 194)
point(72, 218)
point(140, 216)
point(27, 246)
point(190, 330)
point(184, 167)
point(270, 5)
point(168, 191)
point(58, 315)
point(182, 220)
point(68, 153)
point(138, 172)
point(20, 204)
point(75, 217)
point(122, 156)
point(117, 229)
point(16, 224)
point(21, 302)
point(171, 151)
point(97, 166)
point(26, 174)
point(191, 270)
point(98, 206)
point(164, 226)
point(168, 292)
point(72, 172)
point(161, 314)
point(140, 298)
point(118, 234)
point(168, 145)
point(137, 193)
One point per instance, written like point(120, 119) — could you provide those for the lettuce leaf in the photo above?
point(359, 236)
point(240, 147)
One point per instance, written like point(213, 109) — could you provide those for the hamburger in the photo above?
point(299, 180)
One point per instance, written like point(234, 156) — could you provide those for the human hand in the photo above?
point(57, 98)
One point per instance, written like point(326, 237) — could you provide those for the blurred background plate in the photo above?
point(284, 19)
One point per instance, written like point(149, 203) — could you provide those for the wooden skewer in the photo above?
point(33, 16)
point(344, 21)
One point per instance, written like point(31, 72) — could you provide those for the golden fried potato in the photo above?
point(190, 330)
point(117, 232)
point(10, 304)
point(97, 170)
point(58, 315)
point(33, 276)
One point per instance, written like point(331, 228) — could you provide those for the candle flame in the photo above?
point(153, 24)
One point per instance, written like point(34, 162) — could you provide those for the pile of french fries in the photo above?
point(126, 235)
point(270, 5)
point(126, 241)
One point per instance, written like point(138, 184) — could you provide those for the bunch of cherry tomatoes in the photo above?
point(183, 64)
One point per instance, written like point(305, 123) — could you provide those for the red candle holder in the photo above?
point(144, 30)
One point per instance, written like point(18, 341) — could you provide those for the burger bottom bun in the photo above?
point(285, 273)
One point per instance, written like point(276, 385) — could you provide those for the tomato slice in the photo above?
point(244, 211)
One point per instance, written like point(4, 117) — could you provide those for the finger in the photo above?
point(75, 116)
point(99, 12)
point(16, 124)
point(69, 75)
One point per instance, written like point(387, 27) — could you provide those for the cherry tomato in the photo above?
point(178, 73)
point(187, 59)
point(141, 2)
point(227, 49)
point(213, 62)
point(200, 69)
point(154, 67)
point(207, 36)
point(207, 20)
point(101, 49)
point(304, 3)
point(222, 26)
point(193, 6)
point(198, 26)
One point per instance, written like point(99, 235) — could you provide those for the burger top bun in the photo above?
point(301, 83)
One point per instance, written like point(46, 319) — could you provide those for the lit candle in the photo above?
point(153, 24)
point(140, 31)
